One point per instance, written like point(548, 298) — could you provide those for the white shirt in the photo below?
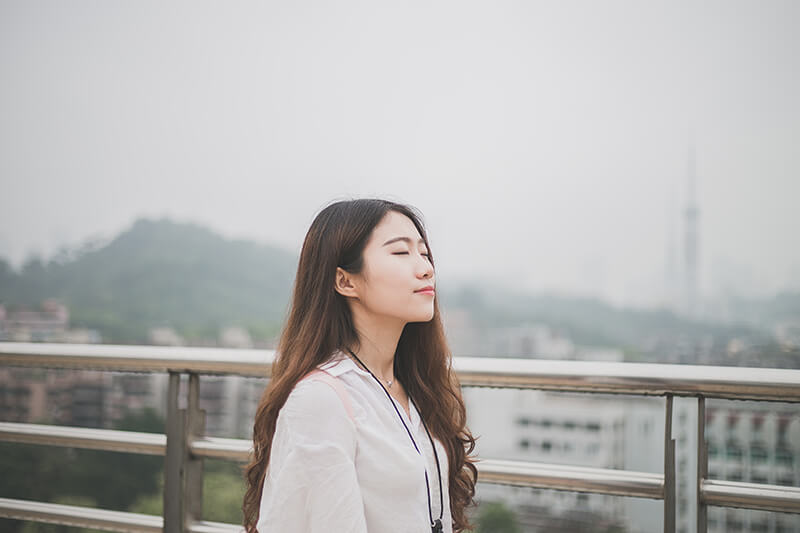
point(330, 474)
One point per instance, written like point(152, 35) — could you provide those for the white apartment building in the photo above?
point(756, 443)
point(588, 430)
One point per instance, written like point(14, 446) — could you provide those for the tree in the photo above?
point(494, 517)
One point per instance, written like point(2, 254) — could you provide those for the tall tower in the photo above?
point(673, 281)
point(691, 215)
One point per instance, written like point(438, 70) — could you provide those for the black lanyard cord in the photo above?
point(436, 525)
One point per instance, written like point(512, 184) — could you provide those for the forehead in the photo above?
point(392, 225)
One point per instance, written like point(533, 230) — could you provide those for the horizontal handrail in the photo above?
point(213, 527)
point(572, 478)
point(86, 438)
point(222, 448)
point(642, 379)
point(750, 495)
point(519, 473)
point(89, 517)
point(645, 379)
point(131, 358)
point(72, 515)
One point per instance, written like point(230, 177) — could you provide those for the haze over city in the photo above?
point(548, 145)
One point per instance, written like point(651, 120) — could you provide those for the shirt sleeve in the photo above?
point(311, 484)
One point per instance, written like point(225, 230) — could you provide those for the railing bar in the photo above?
point(173, 463)
point(71, 515)
point(504, 464)
point(650, 379)
point(195, 425)
point(86, 438)
point(221, 448)
point(669, 469)
point(702, 465)
point(751, 496)
point(569, 478)
point(214, 527)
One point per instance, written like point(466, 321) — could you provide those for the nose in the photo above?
point(424, 268)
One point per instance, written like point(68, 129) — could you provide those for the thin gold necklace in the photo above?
point(389, 382)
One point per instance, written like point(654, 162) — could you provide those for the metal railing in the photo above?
point(185, 446)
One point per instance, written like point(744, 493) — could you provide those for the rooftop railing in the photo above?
point(185, 444)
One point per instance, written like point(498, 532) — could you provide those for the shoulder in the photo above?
point(314, 414)
point(315, 397)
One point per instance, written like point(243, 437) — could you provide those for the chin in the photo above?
point(422, 317)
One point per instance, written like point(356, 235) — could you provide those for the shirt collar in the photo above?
point(340, 363)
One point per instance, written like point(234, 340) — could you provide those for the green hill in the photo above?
point(161, 273)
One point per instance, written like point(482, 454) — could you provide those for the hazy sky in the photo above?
point(546, 143)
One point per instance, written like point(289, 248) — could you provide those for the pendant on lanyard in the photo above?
point(436, 527)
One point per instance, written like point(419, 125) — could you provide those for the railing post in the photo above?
point(174, 460)
point(669, 470)
point(195, 428)
point(702, 465)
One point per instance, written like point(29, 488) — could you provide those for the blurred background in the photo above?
point(604, 181)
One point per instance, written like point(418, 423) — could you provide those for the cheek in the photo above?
point(388, 284)
point(385, 274)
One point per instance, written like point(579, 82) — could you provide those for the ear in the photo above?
point(345, 284)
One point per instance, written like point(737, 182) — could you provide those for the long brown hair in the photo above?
point(337, 238)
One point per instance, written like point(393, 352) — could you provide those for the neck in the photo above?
point(377, 341)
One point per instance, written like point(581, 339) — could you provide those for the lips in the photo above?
point(429, 290)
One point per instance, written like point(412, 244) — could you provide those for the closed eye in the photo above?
point(406, 253)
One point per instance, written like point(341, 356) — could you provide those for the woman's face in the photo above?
point(397, 280)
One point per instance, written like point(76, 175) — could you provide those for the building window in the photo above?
point(758, 454)
point(713, 449)
point(784, 456)
point(735, 475)
point(733, 451)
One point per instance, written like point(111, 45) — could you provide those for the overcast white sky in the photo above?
point(546, 143)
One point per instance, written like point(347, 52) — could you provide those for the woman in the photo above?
point(361, 389)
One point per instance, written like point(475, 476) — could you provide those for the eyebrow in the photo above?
point(404, 239)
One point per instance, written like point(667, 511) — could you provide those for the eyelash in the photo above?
point(406, 253)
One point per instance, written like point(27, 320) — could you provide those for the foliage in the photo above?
point(588, 321)
point(80, 477)
point(223, 492)
point(494, 517)
point(40, 527)
point(160, 273)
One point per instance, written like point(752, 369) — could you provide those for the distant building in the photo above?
point(528, 340)
point(235, 337)
point(787, 333)
point(748, 442)
point(48, 323)
point(230, 404)
point(165, 336)
point(585, 430)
